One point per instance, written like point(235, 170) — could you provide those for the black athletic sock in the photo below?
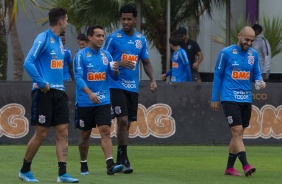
point(62, 168)
point(122, 157)
point(84, 166)
point(110, 162)
point(243, 158)
point(231, 160)
point(26, 166)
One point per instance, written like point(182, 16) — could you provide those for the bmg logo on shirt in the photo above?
point(97, 76)
point(174, 65)
point(57, 64)
point(129, 57)
point(240, 75)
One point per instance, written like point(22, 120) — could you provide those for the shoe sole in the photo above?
point(250, 172)
point(22, 179)
point(127, 171)
point(229, 174)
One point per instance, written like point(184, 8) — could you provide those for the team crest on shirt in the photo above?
point(88, 54)
point(117, 110)
point(138, 35)
point(229, 120)
point(251, 60)
point(81, 123)
point(235, 51)
point(105, 60)
point(138, 44)
point(52, 40)
point(118, 35)
point(42, 119)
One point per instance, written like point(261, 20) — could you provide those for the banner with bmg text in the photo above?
point(179, 113)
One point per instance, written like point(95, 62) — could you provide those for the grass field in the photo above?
point(152, 165)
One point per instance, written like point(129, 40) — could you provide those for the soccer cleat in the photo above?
point(127, 169)
point(249, 170)
point(27, 177)
point(66, 178)
point(232, 172)
point(84, 171)
point(114, 169)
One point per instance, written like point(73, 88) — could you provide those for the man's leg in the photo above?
point(32, 148)
point(107, 147)
point(83, 147)
point(61, 132)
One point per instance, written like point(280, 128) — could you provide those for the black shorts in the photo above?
point(87, 118)
point(124, 103)
point(50, 108)
point(237, 113)
point(195, 76)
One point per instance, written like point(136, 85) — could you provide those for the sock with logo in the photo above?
point(62, 168)
point(243, 158)
point(26, 166)
point(231, 160)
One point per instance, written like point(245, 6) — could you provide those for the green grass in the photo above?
point(152, 165)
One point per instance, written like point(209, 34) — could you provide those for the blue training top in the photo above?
point(92, 69)
point(127, 48)
point(181, 71)
point(234, 71)
point(67, 62)
point(45, 60)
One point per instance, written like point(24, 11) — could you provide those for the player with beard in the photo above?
point(236, 67)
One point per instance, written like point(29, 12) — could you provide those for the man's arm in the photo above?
point(198, 61)
point(150, 73)
point(71, 70)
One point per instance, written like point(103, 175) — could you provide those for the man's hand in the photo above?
point(154, 87)
point(262, 85)
point(215, 106)
point(94, 98)
point(46, 88)
point(163, 77)
point(128, 64)
point(196, 66)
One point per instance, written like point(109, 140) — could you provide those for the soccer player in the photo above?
point(68, 64)
point(44, 63)
point(127, 46)
point(193, 51)
point(236, 67)
point(180, 71)
point(92, 73)
point(82, 41)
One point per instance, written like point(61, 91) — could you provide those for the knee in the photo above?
point(237, 131)
point(105, 131)
point(122, 122)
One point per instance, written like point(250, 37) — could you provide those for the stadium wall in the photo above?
point(179, 113)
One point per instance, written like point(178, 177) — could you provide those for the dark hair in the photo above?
point(56, 14)
point(90, 30)
point(82, 37)
point(257, 27)
point(181, 31)
point(176, 39)
point(128, 9)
